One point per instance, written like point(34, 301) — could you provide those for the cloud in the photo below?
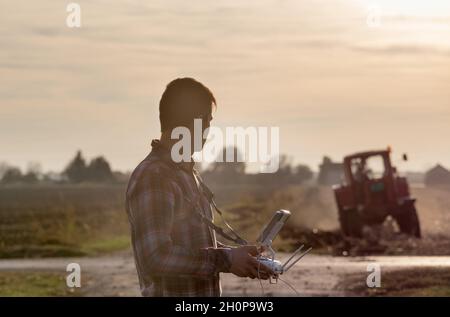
point(402, 49)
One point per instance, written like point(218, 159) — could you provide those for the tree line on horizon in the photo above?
point(221, 172)
point(98, 170)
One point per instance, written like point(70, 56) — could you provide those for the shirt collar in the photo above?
point(164, 153)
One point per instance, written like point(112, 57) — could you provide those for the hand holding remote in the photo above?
point(244, 263)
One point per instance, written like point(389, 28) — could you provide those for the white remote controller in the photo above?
point(265, 239)
point(274, 265)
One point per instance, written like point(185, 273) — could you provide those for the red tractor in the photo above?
point(371, 192)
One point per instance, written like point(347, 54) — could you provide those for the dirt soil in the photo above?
point(315, 275)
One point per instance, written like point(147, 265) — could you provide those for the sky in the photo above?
point(333, 82)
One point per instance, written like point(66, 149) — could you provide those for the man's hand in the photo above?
point(244, 263)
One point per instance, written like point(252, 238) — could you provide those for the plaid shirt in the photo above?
point(176, 254)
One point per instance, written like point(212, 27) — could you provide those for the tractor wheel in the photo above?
point(351, 223)
point(408, 221)
point(343, 221)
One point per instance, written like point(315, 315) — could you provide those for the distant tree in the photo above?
point(34, 168)
point(99, 170)
point(283, 175)
point(12, 175)
point(286, 174)
point(303, 173)
point(225, 172)
point(285, 165)
point(76, 170)
point(33, 174)
point(3, 168)
point(235, 166)
point(30, 178)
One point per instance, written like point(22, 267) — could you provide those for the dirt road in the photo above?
point(315, 275)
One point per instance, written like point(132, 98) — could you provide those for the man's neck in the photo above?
point(167, 142)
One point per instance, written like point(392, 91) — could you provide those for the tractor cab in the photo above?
point(371, 177)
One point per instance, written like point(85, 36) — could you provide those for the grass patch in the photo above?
point(62, 220)
point(107, 245)
point(23, 284)
point(40, 251)
point(89, 248)
point(409, 282)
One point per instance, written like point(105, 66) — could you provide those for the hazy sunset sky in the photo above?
point(314, 68)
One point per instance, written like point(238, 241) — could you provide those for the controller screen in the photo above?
point(275, 219)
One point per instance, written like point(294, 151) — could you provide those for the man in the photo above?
point(176, 253)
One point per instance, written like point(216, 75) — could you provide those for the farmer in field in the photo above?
point(176, 253)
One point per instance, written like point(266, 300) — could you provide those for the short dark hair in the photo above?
point(184, 100)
